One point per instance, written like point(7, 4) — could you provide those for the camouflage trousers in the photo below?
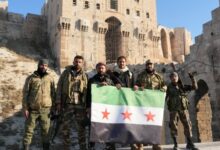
point(73, 118)
point(42, 116)
point(183, 115)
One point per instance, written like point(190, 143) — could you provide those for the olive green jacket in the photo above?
point(38, 92)
point(64, 86)
point(148, 81)
point(177, 98)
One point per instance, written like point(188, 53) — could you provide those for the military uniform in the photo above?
point(97, 79)
point(38, 96)
point(71, 92)
point(178, 106)
point(151, 81)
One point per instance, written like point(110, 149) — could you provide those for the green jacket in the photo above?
point(154, 81)
point(65, 84)
point(38, 92)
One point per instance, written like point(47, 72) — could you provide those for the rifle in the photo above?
point(56, 120)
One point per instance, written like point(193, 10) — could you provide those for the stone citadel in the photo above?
point(102, 30)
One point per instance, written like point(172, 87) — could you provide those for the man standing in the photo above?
point(38, 96)
point(125, 77)
point(70, 101)
point(102, 79)
point(178, 106)
point(149, 79)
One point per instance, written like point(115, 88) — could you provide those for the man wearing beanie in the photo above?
point(38, 96)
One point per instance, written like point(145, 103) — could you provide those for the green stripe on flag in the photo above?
point(127, 96)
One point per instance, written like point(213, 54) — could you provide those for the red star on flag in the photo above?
point(150, 116)
point(126, 115)
point(105, 114)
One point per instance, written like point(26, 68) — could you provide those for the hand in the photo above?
point(118, 86)
point(103, 83)
point(136, 87)
point(190, 75)
point(26, 114)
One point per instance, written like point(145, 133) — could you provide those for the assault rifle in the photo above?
point(56, 120)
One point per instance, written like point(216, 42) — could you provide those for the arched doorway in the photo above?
point(113, 40)
point(203, 113)
point(164, 44)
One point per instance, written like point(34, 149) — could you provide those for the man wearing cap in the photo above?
point(70, 101)
point(102, 79)
point(178, 106)
point(149, 79)
point(38, 97)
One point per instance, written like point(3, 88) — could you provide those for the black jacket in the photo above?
point(96, 79)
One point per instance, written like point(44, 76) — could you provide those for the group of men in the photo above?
point(72, 99)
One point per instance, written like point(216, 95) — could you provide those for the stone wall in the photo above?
point(102, 33)
point(204, 61)
point(34, 28)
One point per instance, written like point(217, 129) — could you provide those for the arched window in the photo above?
point(98, 6)
point(127, 11)
point(86, 4)
point(74, 2)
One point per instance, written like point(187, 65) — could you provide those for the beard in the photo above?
point(41, 71)
point(150, 71)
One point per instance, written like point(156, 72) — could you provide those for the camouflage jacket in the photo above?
point(154, 81)
point(38, 92)
point(177, 98)
point(65, 84)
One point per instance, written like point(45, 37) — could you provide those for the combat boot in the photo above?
point(26, 147)
point(156, 147)
point(190, 145)
point(175, 147)
point(46, 146)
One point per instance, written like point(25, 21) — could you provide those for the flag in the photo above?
point(126, 116)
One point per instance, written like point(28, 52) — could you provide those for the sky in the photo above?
point(191, 14)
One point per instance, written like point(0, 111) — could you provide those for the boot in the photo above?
point(46, 146)
point(156, 147)
point(190, 145)
point(175, 147)
point(26, 147)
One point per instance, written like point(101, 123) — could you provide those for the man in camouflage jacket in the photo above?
point(178, 106)
point(149, 79)
point(70, 101)
point(38, 97)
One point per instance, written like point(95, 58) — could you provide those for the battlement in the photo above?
point(3, 5)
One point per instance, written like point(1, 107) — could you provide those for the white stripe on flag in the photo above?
point(113, 114)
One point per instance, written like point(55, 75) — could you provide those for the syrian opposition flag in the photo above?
point(126, 116)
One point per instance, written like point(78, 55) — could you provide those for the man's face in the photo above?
point(149, 66)
point(122, 63)
point(78, 63)
point(43, 68)
point(174, 78)
point(101, 69)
